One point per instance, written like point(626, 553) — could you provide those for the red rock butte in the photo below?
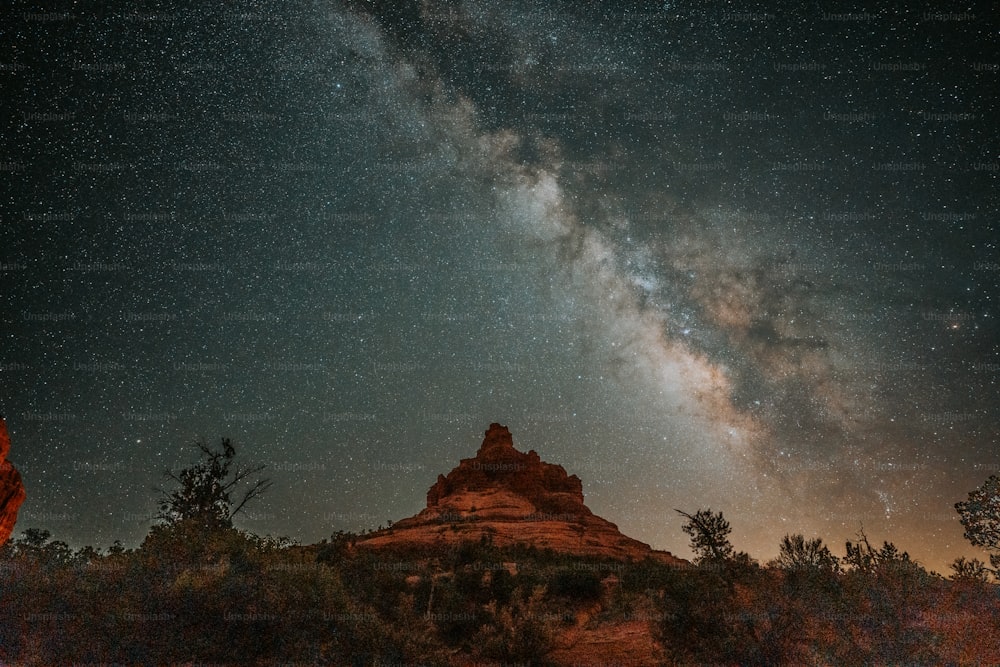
point(514, 498)
point(11, 488)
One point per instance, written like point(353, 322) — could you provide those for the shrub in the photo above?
point(581, 585)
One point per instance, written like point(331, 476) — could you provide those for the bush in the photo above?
point(578, 585)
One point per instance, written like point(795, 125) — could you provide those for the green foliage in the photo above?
point(709, 534)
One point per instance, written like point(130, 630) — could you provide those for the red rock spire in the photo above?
point(511, 497)
point(11, 488)
point(497, 435)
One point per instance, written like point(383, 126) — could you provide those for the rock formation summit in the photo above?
point(11, 488)
point(513, 497)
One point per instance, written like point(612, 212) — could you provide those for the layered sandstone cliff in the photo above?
point(11, 488)
point(513, 497)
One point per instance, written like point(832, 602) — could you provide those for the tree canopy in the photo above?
point(980, 515)
point(798, 553)
point(209, 491)
point(709, 535)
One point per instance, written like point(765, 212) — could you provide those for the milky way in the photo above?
point(702, 258)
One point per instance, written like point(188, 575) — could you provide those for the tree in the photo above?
point(863, 557)
point(709, 536)
point(970, 570)
point(33, 539)
point(797, 553)
point(206, 489)
point(36, 545)
point(980, 515)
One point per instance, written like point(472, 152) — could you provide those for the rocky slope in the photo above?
point(11, 488)
point(514, 497)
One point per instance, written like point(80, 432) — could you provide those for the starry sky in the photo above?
point(727, 257)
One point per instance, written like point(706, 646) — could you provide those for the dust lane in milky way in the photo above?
point(744, 260)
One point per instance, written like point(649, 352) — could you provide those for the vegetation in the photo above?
point(797, 554)
point(204, 490)
point(980, 515)
point(199, 590)
point(709, 536)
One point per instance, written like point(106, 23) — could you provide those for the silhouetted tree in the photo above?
point(33, 538)
point(980, 515)
point(35, 544)
point(205, 490)
point(970, 570)
point(863, 557)
point(709, 536)
point(797, 553)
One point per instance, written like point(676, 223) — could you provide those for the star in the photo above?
point(655, 237)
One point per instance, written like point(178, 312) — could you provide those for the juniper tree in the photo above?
point(797, 553)
point(969, 570)
point(980, 515)
point(205, 491)
point(709, 536)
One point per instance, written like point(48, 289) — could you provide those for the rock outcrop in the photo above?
point(11, 488)
point(513, 497)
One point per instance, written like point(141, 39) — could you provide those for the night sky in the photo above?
point(726, 257)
